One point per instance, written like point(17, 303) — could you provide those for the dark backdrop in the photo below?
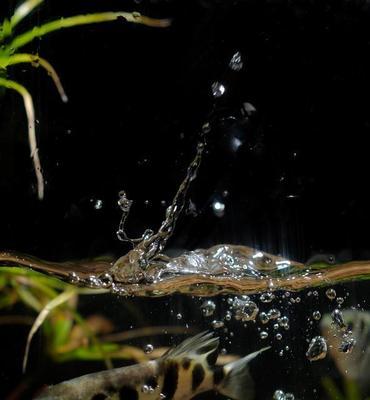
point(296, 185)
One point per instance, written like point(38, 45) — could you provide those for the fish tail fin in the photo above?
point(237, 382)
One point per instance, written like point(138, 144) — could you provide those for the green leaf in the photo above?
point(331, 389)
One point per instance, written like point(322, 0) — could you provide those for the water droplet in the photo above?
point(208, 308)
point(263, 334)
point(267, 297)
point(148, 348)
point(317, 349)
point(236, 62)
point(217, 324)
point(218, 89)
point(218, 209)
point(331, 294)
point(316, 315)
point(278, 336)
point(179, 316)
point(228, 316)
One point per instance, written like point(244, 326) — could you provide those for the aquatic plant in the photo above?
point(10, 55)
point(351, 390)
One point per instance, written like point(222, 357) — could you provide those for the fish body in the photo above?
point(353, 362)
point(180, 374)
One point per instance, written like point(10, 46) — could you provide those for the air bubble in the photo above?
point(317, 349)
point(273, 313)
point(316, 315)
point(347, 345)
point(263, 335)
point(208, 308)
point(179, 316)
point(148, 348)
point(264, 318)
point(340, 300)
point(338, 320)
point(331, 294)
point(267, 297)
point(245, 310)
point(216, 324)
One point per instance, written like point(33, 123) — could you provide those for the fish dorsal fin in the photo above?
point(202, 346)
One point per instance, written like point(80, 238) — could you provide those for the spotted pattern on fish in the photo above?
point(198, 375)
point(171, 378)
point(128, 393)
point(151, 382)
point(180, 374)
point(99, 396)
point(186, 362)
point(218, 375)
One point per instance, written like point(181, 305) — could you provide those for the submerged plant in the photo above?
point(10, 45)
point(67, 334)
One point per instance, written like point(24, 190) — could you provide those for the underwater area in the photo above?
point(184, 199)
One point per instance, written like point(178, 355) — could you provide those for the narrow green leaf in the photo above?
point(77, 20)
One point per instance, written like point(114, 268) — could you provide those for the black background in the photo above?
point(298, 184)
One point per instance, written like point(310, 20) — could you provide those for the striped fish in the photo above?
point(180, 374)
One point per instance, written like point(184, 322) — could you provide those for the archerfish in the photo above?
point(181, 373)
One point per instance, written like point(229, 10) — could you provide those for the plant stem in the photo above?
point(36, 61)
point(28, 105)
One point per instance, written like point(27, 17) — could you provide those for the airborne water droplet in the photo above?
point(218, 209)
point(236, 62)
point(218, 89)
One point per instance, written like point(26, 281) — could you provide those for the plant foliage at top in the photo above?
point(10, 54)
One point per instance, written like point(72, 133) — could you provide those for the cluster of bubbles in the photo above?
point(242, 308)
